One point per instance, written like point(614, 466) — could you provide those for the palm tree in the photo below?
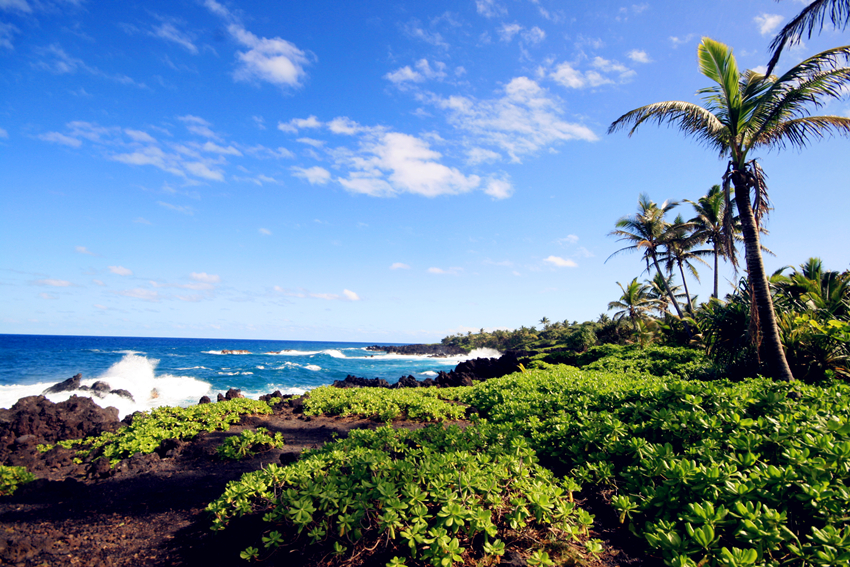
point(748, 111)
point(657, 290)
point(635, 303)
point(805, 22)
point(645, 231)
point(679, 241)
point(708, 224)
point(545, 322)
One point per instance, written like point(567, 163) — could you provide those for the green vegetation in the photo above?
point(148, 430)
point(427, 496)
point(248, 443)
point(421, 404)
point(12, 477)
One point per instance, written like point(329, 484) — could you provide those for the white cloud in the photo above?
point(508, 31)
point(415, 30)
point(521, 122)
point(767, 23)
point(481, 155)
point(313, 175)
point(53, 283)
point(410, 166)
point(639, 56)
point(568, 76)
point(44, 295)
point(440, 271)
point(58, 138)
point(344, 125)
point(399, 266)
point(199, 126)
point(298, 123)
point(423, 72)
point(490, 8)
point(99, 306)
point(677, 41)
point(141, 293)
point(534, 36)
point(559, 262)
point(120, 271)
point(499, 188)
point(139, 136)
point(186, 210)
point(205, 277)
point(168, 32)
point(568, 240)
point(265, 231)
point(7, 32)
point(350, 295)
point(311, 142)
point(84, 250)
point(215, 148)
point(98, 282)
point(15, 6)
point(200, 169)
point(3, 133)
point(274, 60)
point(142, 220)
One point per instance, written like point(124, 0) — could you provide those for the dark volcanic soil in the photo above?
point(150, 510)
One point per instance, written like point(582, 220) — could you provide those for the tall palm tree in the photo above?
point(708, 224)
point(679, 243)
point(657, 290)
point(748, 111)
point(805, 22)
point(645, 232)
point(635, 303)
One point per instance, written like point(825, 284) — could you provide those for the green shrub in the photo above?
point(12, 477)
point(418, 404)
point(248, 443)
point(148, 430)
point(424, 494)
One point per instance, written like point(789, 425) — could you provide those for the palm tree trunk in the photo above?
point(773, 350)
point(716, 244)
point(667, 287)
point(687, 293)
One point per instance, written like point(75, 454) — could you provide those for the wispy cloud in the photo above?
point(120, 271)
point(84, 250)
point(184, 209)
point(490, 8)
point(399, 266)
point(448, 271)
point(559, 262)
point(205, 277)
point(767, 23)
point(52, 283)
point(422, 72)
point(313, 175)
point(169, 32)
point(272, 60)
point(639, 56)
point(265, 232)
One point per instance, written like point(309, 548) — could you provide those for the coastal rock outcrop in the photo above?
point(36, 420)
point(99, 389)
point(235, 352)
point(436, 351)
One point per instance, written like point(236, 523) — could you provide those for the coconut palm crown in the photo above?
point(749, 111)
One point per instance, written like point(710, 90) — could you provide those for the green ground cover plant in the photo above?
point(419, 404)
point(708, 473)
point(249, 443)
point(12, 477)
point(434, 496)
point(149, 429)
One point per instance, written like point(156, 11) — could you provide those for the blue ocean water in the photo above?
point(168, 371)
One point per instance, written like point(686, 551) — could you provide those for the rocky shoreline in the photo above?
point(433, 351)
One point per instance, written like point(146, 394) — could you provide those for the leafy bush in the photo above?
point(708, 473)
point(418, 404)
point(428, 494)
point(248, 443)
point(148, 430)
point(12, 477)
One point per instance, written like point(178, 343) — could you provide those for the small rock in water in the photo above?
point(72, 383)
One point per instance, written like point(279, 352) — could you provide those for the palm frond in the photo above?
point(805, 22)
point(799, 132)
point(728, 230)
point(718, 64)
point(691, 119)
point(761, 203)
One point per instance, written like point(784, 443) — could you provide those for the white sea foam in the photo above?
point(428, 373)
point(134, 373)
point(313, 367)
point(289, 352)
point(235, 373)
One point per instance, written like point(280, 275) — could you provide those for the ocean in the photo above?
point(168, 371)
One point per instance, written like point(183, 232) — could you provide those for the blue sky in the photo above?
point(363, 171)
